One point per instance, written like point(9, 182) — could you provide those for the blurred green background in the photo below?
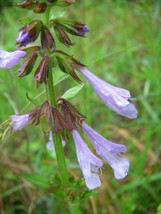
point(124, 48)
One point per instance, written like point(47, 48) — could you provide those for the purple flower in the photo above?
point(19, 122)
point(88, 162)
point(115, 98)
point(23, 38)
point(29, 33)
point(50, 143)
point(85, 29)
point(9, 59)
point(109, 151)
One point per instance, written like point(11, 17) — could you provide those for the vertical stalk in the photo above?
point(57, 143)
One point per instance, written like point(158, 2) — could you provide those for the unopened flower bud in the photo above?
point(27, 66)
point(73, 27)
point(62, 36)
point(61, 3)
point(29, 33)
point(47, 40)
point(40, 7)
point(41, 74)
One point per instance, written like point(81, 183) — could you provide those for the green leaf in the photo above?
point(26, 20)
point(159, 209)
point(37, 180)
point(69, 94)
point(33, 100)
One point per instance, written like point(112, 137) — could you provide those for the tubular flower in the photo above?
point(88, 162)
point(10, 59)
point(109, 151)
point(19, 122)
point(114, 97)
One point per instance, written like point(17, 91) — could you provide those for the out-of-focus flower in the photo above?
point(61, 3)
point(28, 4)
point(9, 59)
point(109, 151)
point(115, 98)
point(73, 27)
point(40, 7)
point(29, 33)
point(88, 162)
point(50, 143)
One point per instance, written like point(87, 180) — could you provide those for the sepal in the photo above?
point(59, 122)
point(62, 36)
point(44, 110)
point(40, 7)
point(76, 115)
point(41, 74)
point(27, 66)
point(47, 40)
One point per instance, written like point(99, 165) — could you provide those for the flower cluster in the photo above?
point(61, 116)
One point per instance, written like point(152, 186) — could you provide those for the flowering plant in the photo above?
point(61, 116)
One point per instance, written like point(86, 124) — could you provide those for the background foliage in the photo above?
point(124, 48)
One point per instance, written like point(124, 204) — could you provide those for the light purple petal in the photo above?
point(115, 98)
point(19, 122)
point(109, 151)
point(50, 143)
point(88, 162)
point(9, 59)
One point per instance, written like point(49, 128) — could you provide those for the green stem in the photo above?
point(74, 208)
point(57, 142)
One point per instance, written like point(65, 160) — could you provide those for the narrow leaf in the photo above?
point(37, 180)
point(69, 94)
point(32, 100)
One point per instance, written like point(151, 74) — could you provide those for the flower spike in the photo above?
point(115, 98)
point(109, 151)
point(88, 162)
